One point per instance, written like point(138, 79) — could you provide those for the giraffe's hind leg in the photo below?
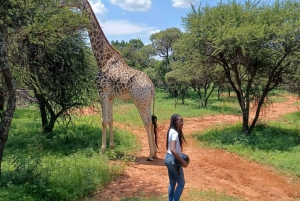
point(145, 112)
point(151, 142)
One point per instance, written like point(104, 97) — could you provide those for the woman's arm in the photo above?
point(176, 155)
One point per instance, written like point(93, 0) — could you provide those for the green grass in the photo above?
point(63, 166)
point(165, 107)
point(210, 195)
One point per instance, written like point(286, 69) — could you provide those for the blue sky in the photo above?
point(131, 19)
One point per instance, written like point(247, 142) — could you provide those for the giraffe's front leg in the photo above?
point(111, 135)
point(105, 116)
point(104, 128)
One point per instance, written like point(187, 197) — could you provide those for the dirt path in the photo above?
point(209, 169)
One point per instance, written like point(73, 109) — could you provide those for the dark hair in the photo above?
point(173, 125)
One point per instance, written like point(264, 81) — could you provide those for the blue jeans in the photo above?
point(174, 193)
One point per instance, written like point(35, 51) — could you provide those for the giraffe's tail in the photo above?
point(154, 119)
point(154, 122)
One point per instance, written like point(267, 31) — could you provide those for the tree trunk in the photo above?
point(198, 91)
point(1, 103)
point(43, 111)
point(47, 125)
point(45, 108)
point(208, 90)
point(228, 90)
point(11, 98)
point(246, 122)
point(219, 93)
point(258, 109)
point(245, 106)
point(175, 94)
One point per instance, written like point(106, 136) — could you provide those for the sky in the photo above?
point(138, 19)
point(133, 19)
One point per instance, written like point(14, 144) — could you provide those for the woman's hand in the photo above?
point(184, 164)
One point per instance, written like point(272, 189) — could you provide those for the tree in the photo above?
point(177, 82)
point(141, 57)
point(129, 51)
point(61, 78)
point(204, 84)
point(50, 45)
point(292, 82)
point(146, 56)
point(202, 78)
point(163, 42)
point(136, 54)
point(7, 114)
point(253, 42)
point(153, 71)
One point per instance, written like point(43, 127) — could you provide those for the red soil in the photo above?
point(210, 169)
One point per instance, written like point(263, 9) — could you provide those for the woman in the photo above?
point(174, 148)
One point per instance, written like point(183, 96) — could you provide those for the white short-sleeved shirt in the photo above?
point(173, 135)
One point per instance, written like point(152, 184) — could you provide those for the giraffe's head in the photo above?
point(81, 4)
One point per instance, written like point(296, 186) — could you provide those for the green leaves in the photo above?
point(48, 52)
point(255, 43)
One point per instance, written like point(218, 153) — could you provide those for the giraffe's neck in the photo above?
point(102, 49)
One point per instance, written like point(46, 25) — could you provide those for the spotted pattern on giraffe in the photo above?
point(116, 79)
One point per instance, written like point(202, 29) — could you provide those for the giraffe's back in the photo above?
point(120, 81)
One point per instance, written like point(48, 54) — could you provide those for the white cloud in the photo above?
point(183, 3)
point(123, 27)
point(98, 7)
point(133, 5)
point(155, 31)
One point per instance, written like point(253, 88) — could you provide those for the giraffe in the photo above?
point(116, 79)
